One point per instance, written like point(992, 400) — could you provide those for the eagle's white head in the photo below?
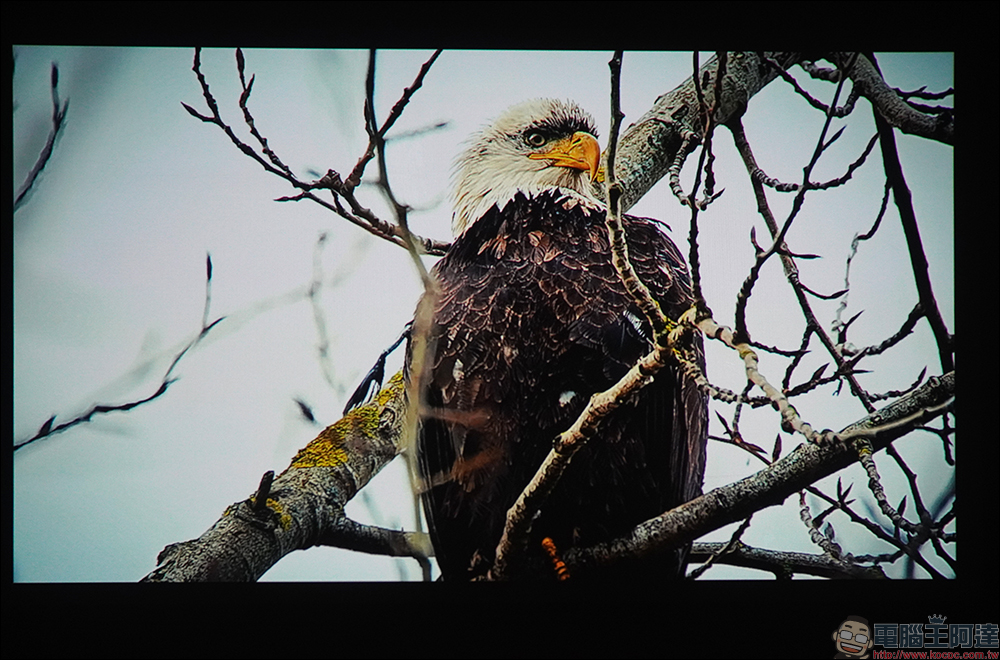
point(533, 146)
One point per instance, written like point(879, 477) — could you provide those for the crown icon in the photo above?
point(936, 618)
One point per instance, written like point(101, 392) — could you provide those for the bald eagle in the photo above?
point(532, 319)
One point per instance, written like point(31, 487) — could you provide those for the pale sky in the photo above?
point(109, 280)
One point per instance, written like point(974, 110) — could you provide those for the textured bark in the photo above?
point(896, 111)
point(784, 564)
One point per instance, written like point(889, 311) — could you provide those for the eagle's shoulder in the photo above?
point(523, 213)
point(559, 231)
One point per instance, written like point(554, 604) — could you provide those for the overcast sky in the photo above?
point(109, 280)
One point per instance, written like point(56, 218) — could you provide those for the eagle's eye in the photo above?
point(535, 139)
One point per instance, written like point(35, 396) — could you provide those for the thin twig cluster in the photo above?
point(340, 189)
point(844, 354)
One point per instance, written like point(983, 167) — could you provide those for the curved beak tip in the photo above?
point(588, 150)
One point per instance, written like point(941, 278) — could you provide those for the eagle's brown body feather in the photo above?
point(532, 319)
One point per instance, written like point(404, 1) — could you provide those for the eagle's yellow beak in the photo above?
point(579, 151)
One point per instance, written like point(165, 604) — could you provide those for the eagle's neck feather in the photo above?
point(469, 208)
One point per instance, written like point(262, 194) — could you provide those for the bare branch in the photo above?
point(613, 192)
point(48, 427)
point(734, 541)
point(521, 514)
point(825, 541)
point(901, 195)
point(779, 235)
point(420, 345)
point(823, 74)
point(359, 215)
point(58, 122)
point(355, 177)
point(790, 419)
point(841, 180)
point(791, 270)
point(783, 564)
point(656, 145)
point(651, 145)
point(529, 502)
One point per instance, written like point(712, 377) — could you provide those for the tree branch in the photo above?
point(58, 122)
point(769, 487)
point(48, 428)
point(918, 260)
point(889, 106)
point(359, 215)
point(306, 503)
point(783, 564)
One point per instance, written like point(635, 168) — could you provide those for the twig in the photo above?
point(779, 235)
point(397, 110)
point(791, 271)
point(421, 358)
point(823, 540)
point(58, 122)
point(831, 110)
point(790, 419)
point(263, 491)
point(838, 325)
point(601, 405)
point(729, 547)
point(619, 247)
point(48, 428)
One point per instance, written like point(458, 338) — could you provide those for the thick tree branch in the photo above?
point(870, 84)
point(769, 487)
point(305, 506)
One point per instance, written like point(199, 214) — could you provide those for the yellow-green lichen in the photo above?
point(284, 519)
point(328, 448)
point(391, 389)
point(365, 419)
